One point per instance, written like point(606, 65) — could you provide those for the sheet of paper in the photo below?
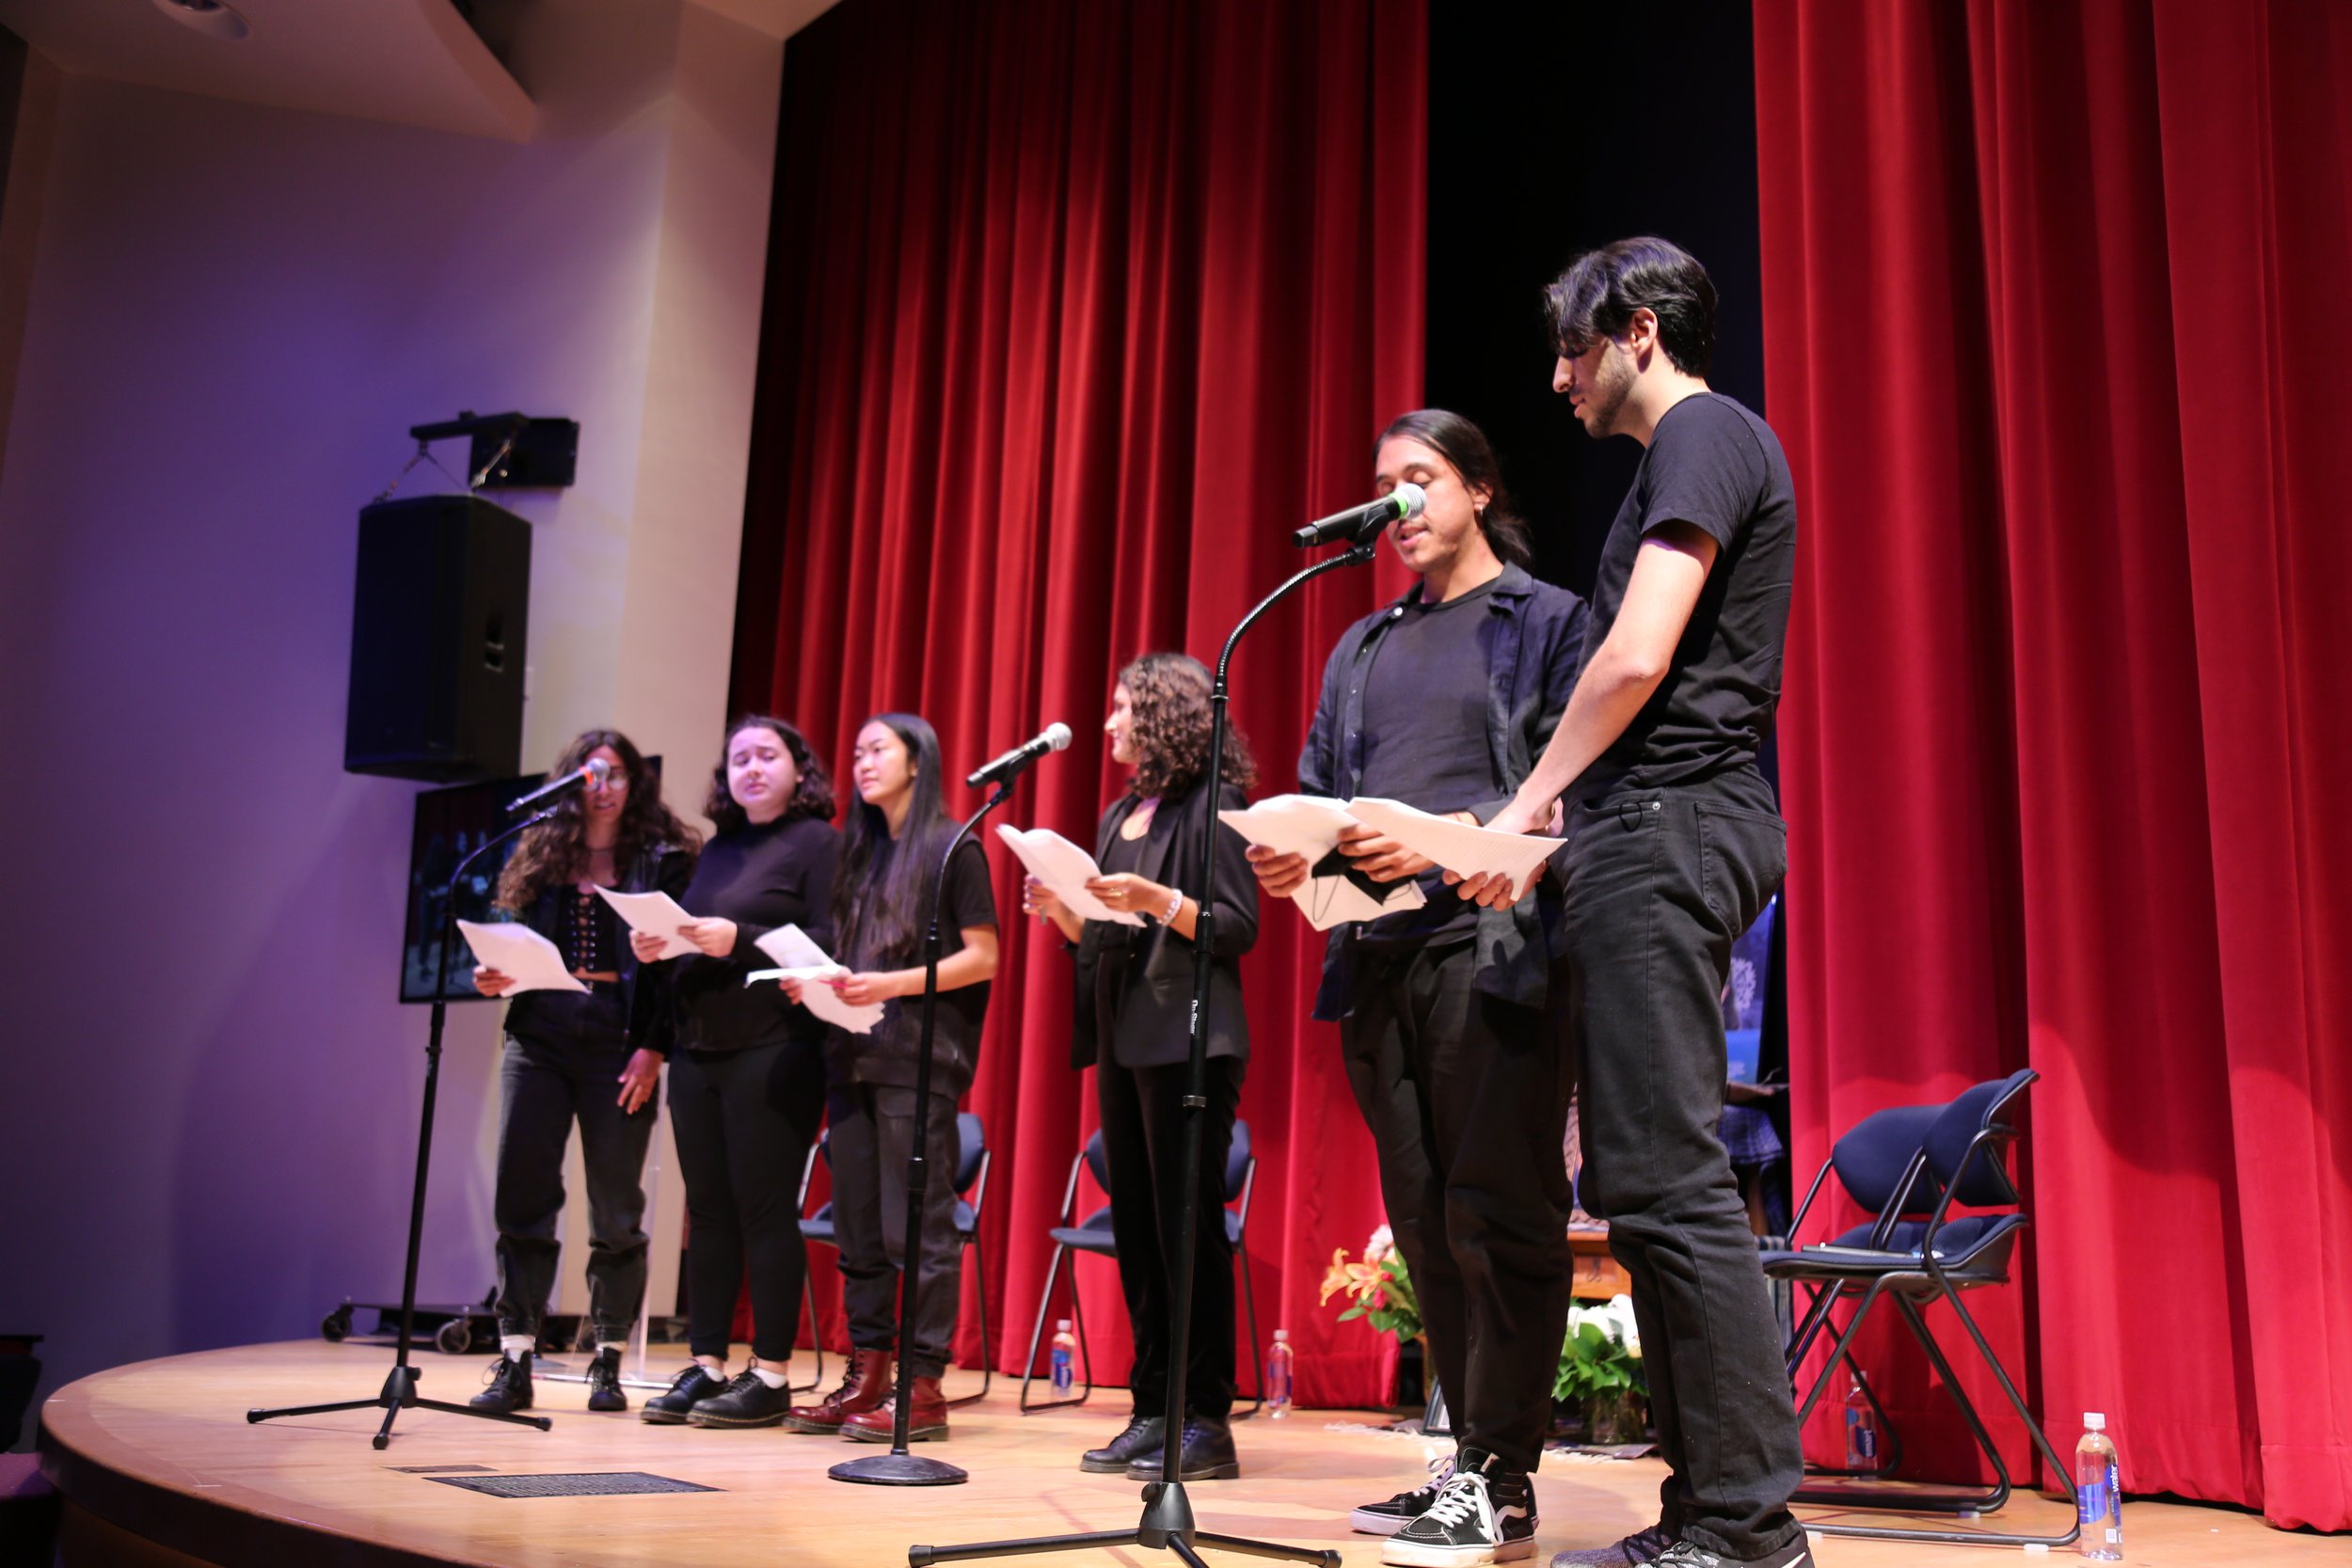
point(803, 959)
point(1458, 847)
point(518, 951)
point(656, 914)
point(1310, 825)
point(1065, 868)
point(1305, 824)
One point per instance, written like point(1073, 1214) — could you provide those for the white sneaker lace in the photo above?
point(1464, 1496)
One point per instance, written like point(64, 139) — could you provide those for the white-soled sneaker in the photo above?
point(1684, 1554)
point(1642, 1546)
point(1388, 1518)
point(1484, 1513)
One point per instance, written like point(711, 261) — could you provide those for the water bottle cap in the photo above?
point(1280, 1334)
point(1061, 1325)
point(2094, 1421)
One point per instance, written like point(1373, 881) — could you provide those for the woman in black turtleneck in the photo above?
point(747, 1078)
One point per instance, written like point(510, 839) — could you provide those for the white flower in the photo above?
point(1383, 1240)
point(1620, 1321)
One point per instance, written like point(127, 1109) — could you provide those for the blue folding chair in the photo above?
point(1916, 1263)
point(1093, 1235)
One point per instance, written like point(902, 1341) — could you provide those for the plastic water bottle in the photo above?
point(1861, 1430)
point(1065, 1357)
point(2098, 1495)
point(1278, 1375)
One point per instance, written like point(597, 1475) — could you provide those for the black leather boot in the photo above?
point(1142, 1440)
point(1206, 1453)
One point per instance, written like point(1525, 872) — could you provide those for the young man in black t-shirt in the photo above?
point(1674, 843)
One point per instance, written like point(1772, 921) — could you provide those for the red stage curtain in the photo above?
point(2055, 337)
point(1076, 311)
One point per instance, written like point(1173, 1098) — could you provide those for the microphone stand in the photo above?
point(399, 1392)
point(898, 1467)
point(1167, 1522)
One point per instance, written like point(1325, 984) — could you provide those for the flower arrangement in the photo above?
point(1377, 1288)
point(1600, 1367)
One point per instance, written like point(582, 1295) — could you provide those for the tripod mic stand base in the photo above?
point(1167, 1527)
point(399, 1394)
point(900, 1469)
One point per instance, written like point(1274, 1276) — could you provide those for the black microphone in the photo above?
point(1358, 523)
point(595, 770)
point(1055, 738)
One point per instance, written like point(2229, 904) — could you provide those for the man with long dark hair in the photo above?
point(1675, 843)
point(1443, 701)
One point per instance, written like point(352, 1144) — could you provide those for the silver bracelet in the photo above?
point(1175, 907)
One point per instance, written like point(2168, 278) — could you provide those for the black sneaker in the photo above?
point(690, 1388)
point(746, 1403)
point(604, 1383)
point(1388, 1518)
point(1144, 1436)
point(1484, 1513)
point(509, 1387)
point(1205, 1452)
point(1685, 1553)
point(1641, 1547)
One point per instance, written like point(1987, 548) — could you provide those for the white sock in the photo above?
point(612, 1345)
point(517, 1346)
point(773, 1379)
point(711, 1364)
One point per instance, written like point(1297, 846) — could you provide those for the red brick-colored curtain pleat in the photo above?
point(1074, 311)
point(2055, 338)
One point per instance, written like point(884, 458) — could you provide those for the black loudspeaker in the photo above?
point(437, 633)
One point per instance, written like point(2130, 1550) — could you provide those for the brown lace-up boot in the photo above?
point(926, 1417)
point(865, 1384)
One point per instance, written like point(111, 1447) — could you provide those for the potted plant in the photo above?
point(1600, 1369)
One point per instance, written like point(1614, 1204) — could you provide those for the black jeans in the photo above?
point(1143, 1139)
point(872, 1134)
point(744, 1120)
point(1467, 1097)
point(1660, 883)
point(568, 1068)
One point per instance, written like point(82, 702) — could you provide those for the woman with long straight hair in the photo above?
point(1134, 987)
point(567, 1050)
point(896, 837)
point(747, 1082)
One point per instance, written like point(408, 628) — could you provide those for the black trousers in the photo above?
point(1466, 1097)
point(1143, 1138)
point(872, 1134)
point(1659, 886)
point(568, 1068)
point(744, 1120)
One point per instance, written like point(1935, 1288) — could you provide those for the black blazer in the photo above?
point(1153, 1018)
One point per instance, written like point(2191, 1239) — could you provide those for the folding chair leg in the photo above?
point(1036, 1335)
point(987, 1346)
point(1257, 1355)
point(1912, 1500)
point(2061, 1470)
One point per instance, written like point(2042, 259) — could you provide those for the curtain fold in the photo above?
point(1074, 311)
point(2054, 319)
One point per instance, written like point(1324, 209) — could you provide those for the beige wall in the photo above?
point(232, 314)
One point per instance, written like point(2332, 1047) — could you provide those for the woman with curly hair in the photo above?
point(1134, 986)
point(566, 1049)
point(747, 1081)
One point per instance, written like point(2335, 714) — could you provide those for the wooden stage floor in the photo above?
point(162, 1449)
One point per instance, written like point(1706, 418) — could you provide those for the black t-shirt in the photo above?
point(1426, 739)
point(760, 877)
point(1715, 466)
point(888, 1056)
